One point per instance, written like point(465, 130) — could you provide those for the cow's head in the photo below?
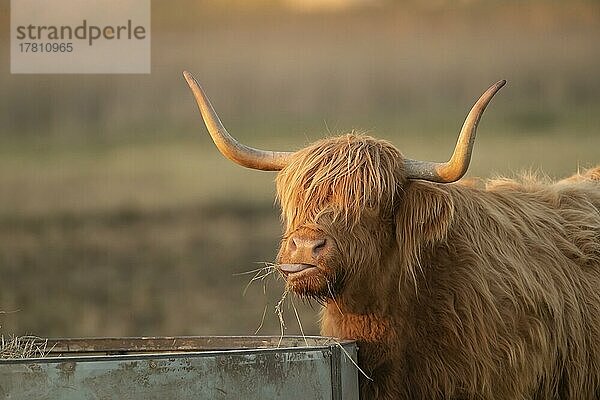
point(342, 197)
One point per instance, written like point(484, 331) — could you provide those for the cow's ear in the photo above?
point(425, 212)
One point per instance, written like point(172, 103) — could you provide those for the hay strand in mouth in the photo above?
point(262, 320)
point(259, 275)
point(279, 312)
point(299, 323)
point(268, 265)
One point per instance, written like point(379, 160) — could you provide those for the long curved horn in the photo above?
point(458, 164)
point(227, 145)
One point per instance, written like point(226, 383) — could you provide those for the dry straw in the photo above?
point(14, 347)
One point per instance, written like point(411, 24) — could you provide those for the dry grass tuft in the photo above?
point(23, 347)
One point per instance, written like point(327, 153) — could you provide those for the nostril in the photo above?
point(318, 246)
point(292, 244)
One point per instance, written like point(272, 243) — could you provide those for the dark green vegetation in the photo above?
point(118, 217)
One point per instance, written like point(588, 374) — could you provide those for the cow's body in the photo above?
point(452, 291)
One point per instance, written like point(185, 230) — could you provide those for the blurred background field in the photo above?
point(119, 217)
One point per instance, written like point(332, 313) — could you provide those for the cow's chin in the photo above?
point(309, 282)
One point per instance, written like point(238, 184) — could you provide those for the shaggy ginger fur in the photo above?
point(452, 291)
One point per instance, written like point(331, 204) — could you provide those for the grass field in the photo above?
point(118, 216)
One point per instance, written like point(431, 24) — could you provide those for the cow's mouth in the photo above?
point(296, 269)
point(305, 280)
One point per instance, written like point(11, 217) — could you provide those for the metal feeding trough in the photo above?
point(178, 368)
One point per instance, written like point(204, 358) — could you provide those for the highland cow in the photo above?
point(452, 291)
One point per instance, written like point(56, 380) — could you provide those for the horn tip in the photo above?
point(189, 78)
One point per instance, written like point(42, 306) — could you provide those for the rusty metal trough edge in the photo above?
point(156, 351)
point(126, 348)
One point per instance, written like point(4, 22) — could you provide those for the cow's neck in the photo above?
point(367, 309)
point(373, 311)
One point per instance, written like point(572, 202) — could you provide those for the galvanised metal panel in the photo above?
point(185, 368)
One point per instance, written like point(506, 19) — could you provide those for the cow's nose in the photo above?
point(305, 247)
